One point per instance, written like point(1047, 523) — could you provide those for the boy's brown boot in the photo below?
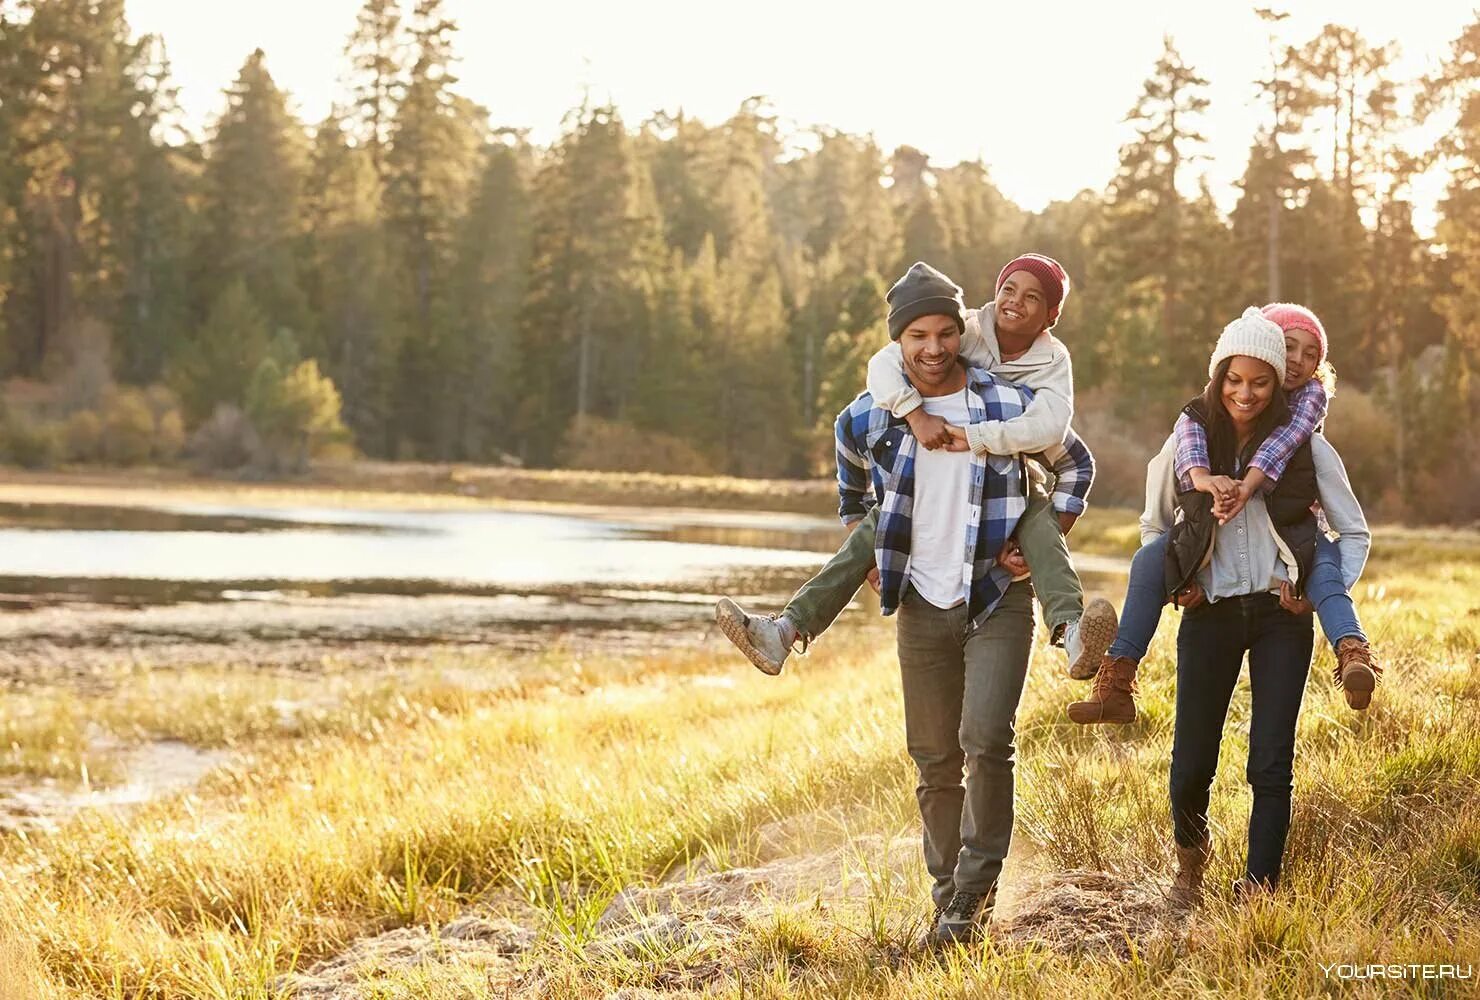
point(1113, 697)
point(1356, 672)
point(1191, 863)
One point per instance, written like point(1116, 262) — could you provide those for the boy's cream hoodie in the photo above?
point(1045, 368)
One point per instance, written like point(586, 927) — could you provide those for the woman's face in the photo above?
point(1302, 354)
point(1247, 389)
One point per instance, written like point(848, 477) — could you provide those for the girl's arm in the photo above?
point(1307, 410)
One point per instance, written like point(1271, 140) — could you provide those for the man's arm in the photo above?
point(1073, 467)
point(855, 495)
point(1042, 424)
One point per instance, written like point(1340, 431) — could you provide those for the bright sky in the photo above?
point(1039, 95)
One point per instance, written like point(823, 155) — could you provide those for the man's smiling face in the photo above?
point(930, 345)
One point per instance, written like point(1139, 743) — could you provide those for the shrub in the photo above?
point(128, 427)
point(226, 441)
point(83, 437)
point(297, 414)
point(613, 446)
point(1364, 433)
point(169, 436)
point(32, 444)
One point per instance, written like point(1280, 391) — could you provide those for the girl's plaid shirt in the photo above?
point(876, 449)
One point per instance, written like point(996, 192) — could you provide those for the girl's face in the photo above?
point(1302, 354)
point(1247, 389)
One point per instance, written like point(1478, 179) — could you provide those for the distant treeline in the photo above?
point(669, 294)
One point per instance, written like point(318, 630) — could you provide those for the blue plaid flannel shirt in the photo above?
point(876, 466)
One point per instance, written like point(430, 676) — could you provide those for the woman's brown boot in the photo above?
point(1191, 863)
point(1356, 671)
point(1113, 698)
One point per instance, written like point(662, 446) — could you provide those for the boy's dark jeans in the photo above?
point(1210, 650)
point(821, 599)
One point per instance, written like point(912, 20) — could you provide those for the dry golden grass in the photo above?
point(412, 798)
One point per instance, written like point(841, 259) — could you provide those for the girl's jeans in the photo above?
point(1145, 593)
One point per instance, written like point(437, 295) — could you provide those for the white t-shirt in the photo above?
point(938, 567)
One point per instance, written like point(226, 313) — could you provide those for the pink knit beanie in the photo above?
point(1290, 316)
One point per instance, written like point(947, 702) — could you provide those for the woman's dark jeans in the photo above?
point(1210, 650)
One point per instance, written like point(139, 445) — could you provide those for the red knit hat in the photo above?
point(1293, 317)
point(1050, 274)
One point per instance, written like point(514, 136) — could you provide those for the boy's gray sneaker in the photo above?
point(758, 638)
point(1087, 640)
point(964, 917)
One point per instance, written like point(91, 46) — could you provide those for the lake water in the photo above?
point(401, 551)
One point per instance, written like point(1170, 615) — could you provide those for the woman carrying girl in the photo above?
point(1245, 565)
point(1308, 384)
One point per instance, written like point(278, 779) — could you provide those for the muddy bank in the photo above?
point(704, 929)
point(145, 773)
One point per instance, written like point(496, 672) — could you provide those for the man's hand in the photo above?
point(873, 578)
point(1227, 507)
point(929, 430)
point(1192, 597)
point(1291, 603)
point(1011, 559)
point(958, 439)
point(1066, 521)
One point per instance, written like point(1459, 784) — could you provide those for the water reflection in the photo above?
point(197, 552)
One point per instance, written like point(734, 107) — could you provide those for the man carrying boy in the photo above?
point(1011, 338)
point(964, 628)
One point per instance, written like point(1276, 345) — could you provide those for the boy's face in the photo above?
point(1021, 307)
point(930, 345)
point(1302, 354)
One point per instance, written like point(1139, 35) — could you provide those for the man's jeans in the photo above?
point(821, 599)
point(1145, 594)
point(1210, 649)
point(961, 696)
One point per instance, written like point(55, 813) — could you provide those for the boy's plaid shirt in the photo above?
point(876, 448)
point(1307, 410)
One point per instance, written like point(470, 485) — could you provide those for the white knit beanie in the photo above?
point(1252, 336)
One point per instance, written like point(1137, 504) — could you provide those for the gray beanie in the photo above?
point(924, 291)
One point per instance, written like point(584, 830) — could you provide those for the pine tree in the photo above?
point(350, 280)
point(432, 167)
point(376, 51)
point(596, 238)
point(1149, 229)
point(80, 100)
point(253, 201)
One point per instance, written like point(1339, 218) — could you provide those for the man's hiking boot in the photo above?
point(1087, 638)
point(1192, 862)
point(764, 641)
point(1113, 698)
point(964, 917)
point(1356, 671)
